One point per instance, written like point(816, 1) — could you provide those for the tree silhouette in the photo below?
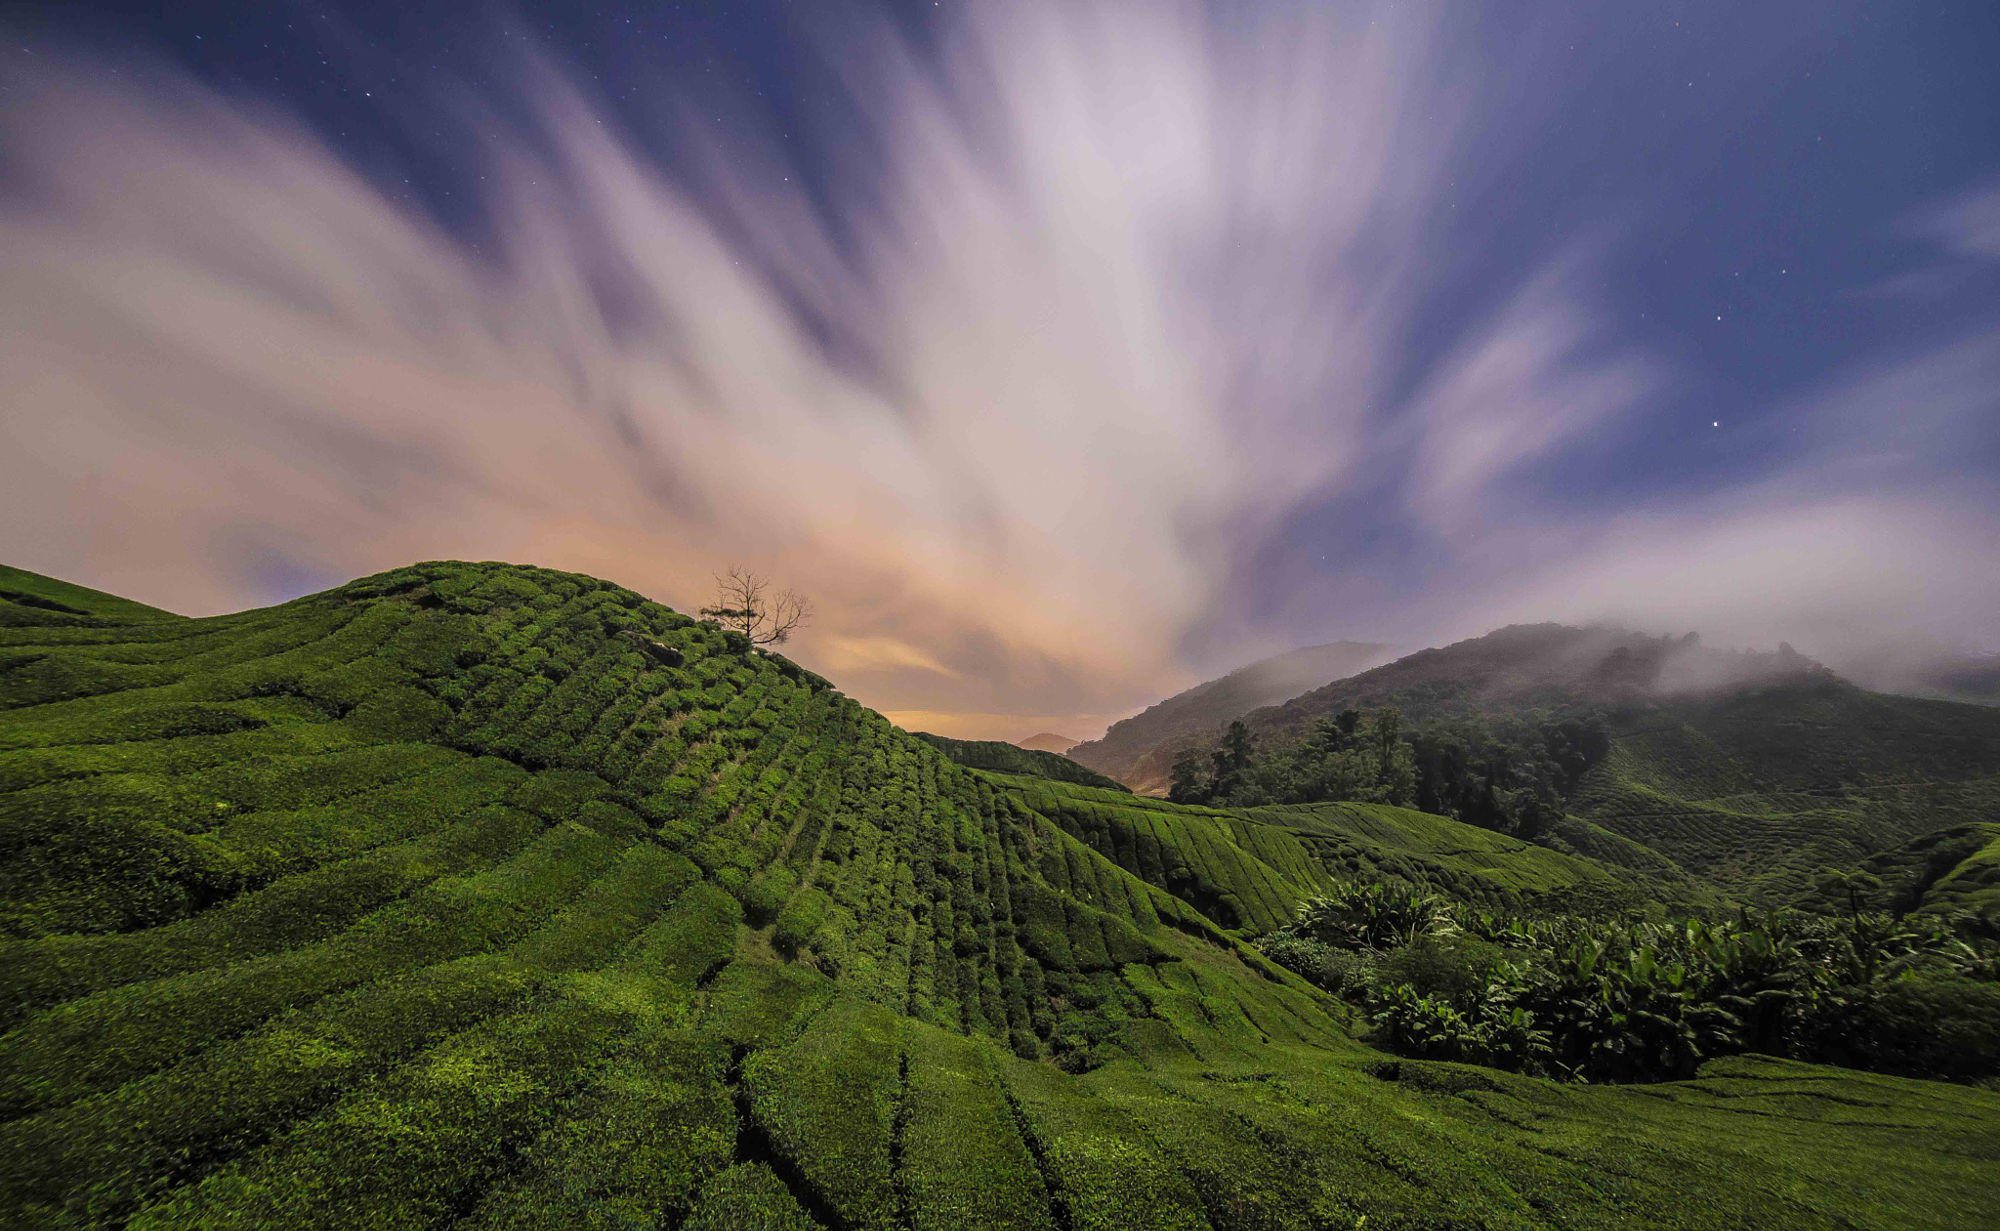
point(1232, 761)
point(743, 603)
point(1186, 785)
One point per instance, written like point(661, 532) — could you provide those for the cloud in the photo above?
point(1109, 293)
point(1865, 534)
point(1082, 330)
point(1966, 225)
point(1829, 572)
point(1540, 374)
point(858, 654)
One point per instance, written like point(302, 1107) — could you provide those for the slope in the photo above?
point(1008, 758)
point(1140, 750)
point(1949, 870)
point(1746, 771)
point(1756, 791)
point(484, 896)
point(1247, 869)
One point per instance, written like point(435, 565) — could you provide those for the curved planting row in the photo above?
point(493, 897)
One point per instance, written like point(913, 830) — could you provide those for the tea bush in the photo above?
point(486, 896)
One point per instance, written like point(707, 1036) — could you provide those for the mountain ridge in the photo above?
point(1123, 750)
point(1745, 768)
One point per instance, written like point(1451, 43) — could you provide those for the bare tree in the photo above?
point(743, 602)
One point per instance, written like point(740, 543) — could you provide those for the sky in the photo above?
point(1064, 354)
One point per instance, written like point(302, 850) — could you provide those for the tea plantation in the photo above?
point(492, 897)
point(1756, 792)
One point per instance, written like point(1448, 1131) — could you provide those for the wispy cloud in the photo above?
point(1966, 225)
point(1114, 293)
point(1515, 390)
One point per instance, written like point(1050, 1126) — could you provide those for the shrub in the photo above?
point(1937, 1025)
point(1650, 1001)
point(1372, 915)
point(1456, 969)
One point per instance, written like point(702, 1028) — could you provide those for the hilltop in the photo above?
point(1047, 741)
point(489, 896)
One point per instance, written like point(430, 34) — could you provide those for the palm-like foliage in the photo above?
point(1373, 915)
point(1639, 1001)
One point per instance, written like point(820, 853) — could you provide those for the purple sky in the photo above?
point(1065, 354)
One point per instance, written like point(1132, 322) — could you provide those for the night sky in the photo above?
point(1065, 354)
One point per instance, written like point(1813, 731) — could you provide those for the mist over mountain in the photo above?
point(1522, 665)
point(1127, 750)
point(1923, 668)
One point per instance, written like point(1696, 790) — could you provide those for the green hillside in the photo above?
point(1744, 772)
point(1007, 758)
point(1757, 791)
point(1247, 869)
point(1956, 869)
point(486, 896)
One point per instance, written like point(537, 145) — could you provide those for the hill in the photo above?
point(1013, 759)
point(488, 896)
point(1138, 751)
point(1746, 771)
point(1047, 741)
point(1949, 870)
point(30, 599)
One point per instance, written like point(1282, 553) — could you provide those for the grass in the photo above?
point(442, 899)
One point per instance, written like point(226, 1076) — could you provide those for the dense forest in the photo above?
point(1505, 772)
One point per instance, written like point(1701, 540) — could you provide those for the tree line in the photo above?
point(1508, 773)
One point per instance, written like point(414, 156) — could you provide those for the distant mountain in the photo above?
point(1748, 770)
point(1130, 750)
point(1516, 667)
point(1523, 666)
point(1047, 741)
point(1927, 671)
